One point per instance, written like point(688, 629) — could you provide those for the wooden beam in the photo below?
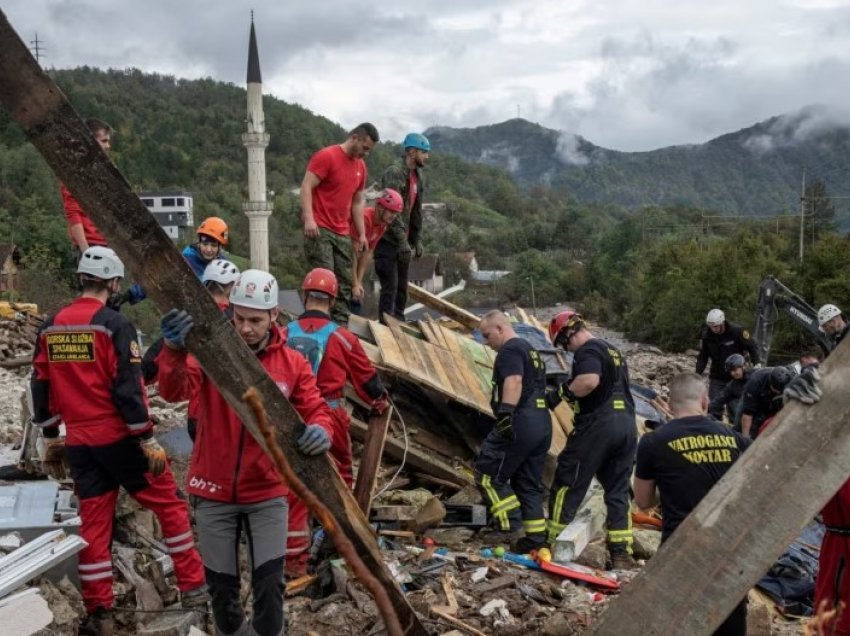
point(759, 507)
point(370, 461)
point(38, 106)
point(459, 314)
point(416, 460)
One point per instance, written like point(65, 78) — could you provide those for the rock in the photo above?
point(646, 543)
point(467, 495)
point(557, 625)
point(453, 538)
point(172, 623)
point(758, 615)
point(194, 631)
point(25, 614)
point(495, 606)
point(594, 555)
point(10, 542)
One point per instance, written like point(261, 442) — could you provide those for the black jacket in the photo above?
point(718, 347)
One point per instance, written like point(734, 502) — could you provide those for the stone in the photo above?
point(25, 614)
point(758, 615)
point(467, 495)
point(594, 555)
point(557, 625)
point(172, 623)
point(646, 543)
point(453, 538)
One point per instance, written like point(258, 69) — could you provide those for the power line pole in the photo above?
point(37, 49)
point(802, 213)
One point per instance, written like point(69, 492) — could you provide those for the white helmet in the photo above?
point(100, 262)
point(221, 271)
point(255, 289)
point(715, 317)
point(827, 313)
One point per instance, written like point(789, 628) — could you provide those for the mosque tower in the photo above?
point(256, 208)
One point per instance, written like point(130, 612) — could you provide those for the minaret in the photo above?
point(256, 208)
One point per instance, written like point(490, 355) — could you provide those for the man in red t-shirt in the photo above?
point(82, 231)
point(388, 206)
point(332, 201)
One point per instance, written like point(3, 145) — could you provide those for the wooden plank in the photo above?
point(429, 355)
point(438, 333)
point(50, 123)
point(373, 352)
point(359, 326)
point(735, 534)
point(390, 351)
point(431, 334)
point(466, 367)
point(370, 460)
point(523, 317)
point(464, 317)
point(462, 387)
point(417, 460)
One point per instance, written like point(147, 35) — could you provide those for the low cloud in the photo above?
point(567, 148)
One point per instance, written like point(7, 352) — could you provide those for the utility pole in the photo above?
point(533, 300)
point(802, 213)
point(37, 49)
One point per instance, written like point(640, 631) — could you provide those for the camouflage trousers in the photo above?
point(334, 252)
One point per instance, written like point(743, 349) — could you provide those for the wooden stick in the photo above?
point(459, 314)
point(456, 622)
point(370, 461)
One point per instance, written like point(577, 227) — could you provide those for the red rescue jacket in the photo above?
point(87, 373)
point(227, 464)
point(74, 213)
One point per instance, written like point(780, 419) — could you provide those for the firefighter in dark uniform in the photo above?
point(509, 467)
point(729, 399)
point(720, 339)
point(762, 398)
point(87, 374)
point(604, 436)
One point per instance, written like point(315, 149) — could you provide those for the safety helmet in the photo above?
point(220, 271)
point(416, 140)
point(320, 280)
point(779, 378)
point(255, 289)
point(827, 313)
point(215, 228)
point(715, 317)
point(735, 361)
point(565, 324)
point(391, 200)
point(100, 262)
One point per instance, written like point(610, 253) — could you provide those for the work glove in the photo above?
point(562, 393)
point(416, 246)
point(52, 458)
point(804, 388)
point(135, 294)
point(155, 454)
point(381, 404)
point(314, 440)
point(176, 325)
point(505, 425)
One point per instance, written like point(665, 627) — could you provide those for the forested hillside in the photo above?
point(755, 171)
point(653, 271)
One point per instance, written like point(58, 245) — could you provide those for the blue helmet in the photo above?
point(418, 141)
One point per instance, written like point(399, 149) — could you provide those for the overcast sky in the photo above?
point(625, 74)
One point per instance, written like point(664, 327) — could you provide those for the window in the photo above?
point(148, 202)
point(168, 203)
point(180, 202)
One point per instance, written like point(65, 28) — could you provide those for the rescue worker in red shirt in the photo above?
point(376, 220)
point(86, 373)
point(335, 355)
point(833, 581)
point(234, 485)
point(81, 229)
point(332, 202)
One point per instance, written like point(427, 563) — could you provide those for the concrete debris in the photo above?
point(24, 613)
point(479, 574)
point(37, 557)
point(10, 542)
point(174, 622)
point(587, 525)
point(646, 543)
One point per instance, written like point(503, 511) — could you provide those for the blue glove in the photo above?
point(314, 440)
point(136, 294)
point(175, 327)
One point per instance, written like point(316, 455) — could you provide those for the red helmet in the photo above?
point(565, 324)
point(215, 228)
point(320, 280)
point(391, 200)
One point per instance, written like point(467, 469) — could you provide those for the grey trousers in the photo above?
point(220, 527)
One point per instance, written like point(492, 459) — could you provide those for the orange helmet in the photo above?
point(320, 280)
point(564, 325)
point(215, 228)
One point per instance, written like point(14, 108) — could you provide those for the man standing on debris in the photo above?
point(684, 459)
point(86, 373)
point(336, 357)
point(376, 220)
point(392, 256)
point(332, 201)
point(720, 339)
point(235, 486)
point(730, 398)
point(762, 398)
point(604, 436)
point(832, 586)
point(81, 229)
point(509, 466)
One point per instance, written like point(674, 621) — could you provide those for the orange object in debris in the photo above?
point(643, 519)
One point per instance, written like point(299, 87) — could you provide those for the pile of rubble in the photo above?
point(17, 336)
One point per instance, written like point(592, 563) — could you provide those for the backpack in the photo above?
point(310, 345)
